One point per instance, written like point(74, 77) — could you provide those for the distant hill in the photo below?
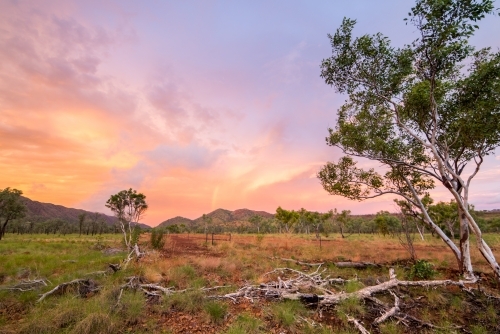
point(219, 217)
point(40, 211)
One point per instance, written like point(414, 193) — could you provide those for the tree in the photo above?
point(208, 222)
point(129, 207)
point(445, 215)
point(11, 207)
point(256, 221)
point(418, 113)
point(342, 219)
point(386, 223)
point(81, 221)
point(285, 218)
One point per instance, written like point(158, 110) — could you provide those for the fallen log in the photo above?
point(84, 288)
point(358, 265)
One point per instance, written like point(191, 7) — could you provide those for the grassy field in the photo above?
point(187, 264)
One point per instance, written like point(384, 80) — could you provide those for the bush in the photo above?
point(157, 241)
point(216, 311)
point(422, 270)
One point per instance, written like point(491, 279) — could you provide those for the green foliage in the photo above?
point(136, 234)
point(157, 241)
point(387, 223)
point(11, 207)
point(216, 311)
point(445, 215)
point(422, 270)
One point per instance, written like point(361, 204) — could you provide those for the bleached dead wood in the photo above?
point(26, 285)
point(385, 286)
point(84, 286)
point(358, 325)
point(390, 313)
point(134, 253)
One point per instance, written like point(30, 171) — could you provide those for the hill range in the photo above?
point(219, 217)
point(39, 211)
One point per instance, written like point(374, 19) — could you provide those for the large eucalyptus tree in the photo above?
point(429, 112)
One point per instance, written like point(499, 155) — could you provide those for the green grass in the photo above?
point(216, 311)
point(286, 312)
point(246, 324)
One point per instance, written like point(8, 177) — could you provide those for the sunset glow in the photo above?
point(197, 104)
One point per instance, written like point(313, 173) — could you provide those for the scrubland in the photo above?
point(191, 268)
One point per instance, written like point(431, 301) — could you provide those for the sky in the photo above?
point(197, 104)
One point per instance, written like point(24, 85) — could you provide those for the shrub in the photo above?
point(157, 241)
point(422, 270)
point(216, 311)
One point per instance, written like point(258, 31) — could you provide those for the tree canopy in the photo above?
point(425, 111)
point(11, 207)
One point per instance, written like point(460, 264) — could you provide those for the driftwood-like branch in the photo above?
point(84, 286)
point(134, 253)
point(390, 313)
point(26, 285)
point(358, 325)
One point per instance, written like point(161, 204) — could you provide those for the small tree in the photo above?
point(129, 207)
point(157, 238)
point(342, 220)
point(81, 221)
point(208, 222)
point(285, 218)
point(256, 221)
point(11, 207)
point(445, 215)
point(386, 223)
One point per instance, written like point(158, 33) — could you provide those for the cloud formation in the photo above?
point(218, 106)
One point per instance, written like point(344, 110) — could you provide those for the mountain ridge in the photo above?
point(41, 211)
point(218, 216)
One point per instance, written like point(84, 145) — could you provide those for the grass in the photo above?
point(216, 311)
point(241, 261)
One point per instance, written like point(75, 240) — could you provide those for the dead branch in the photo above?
point(385, 286)
point(134, 253)
point(300, 262)
point(390, 313)
point(84, 286)
point(26, 285)
point(358, 325)
point(359, 265)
